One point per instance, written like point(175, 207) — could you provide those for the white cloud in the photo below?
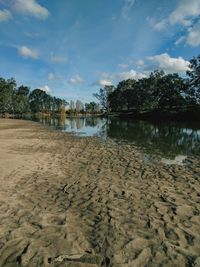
point(5, 15)
point(51, 76)
point(132, 74)
point(184, 14)
point(119, 76)
point(163, 61)
point(180, 40)
point(169, 64)
point(140, 62)
point(161, 25)
point(128, 4)
point(58, 59)
point(26, 52)
point(30, 7)
point(46, 89)
point(122, 65)
point(102, 83)
point(193, 37)
point(77, 79)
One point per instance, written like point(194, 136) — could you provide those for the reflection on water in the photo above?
point(90, 126)
point(168, 139)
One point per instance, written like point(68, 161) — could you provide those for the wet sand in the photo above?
point(71, 201)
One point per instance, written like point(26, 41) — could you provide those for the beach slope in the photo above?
point(71, 201)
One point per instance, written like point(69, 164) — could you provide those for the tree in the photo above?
point(115, 100)
point(127, 96)
point(103, 97)
point(21, 100)
point(194, 78)
point(79, 106)
point(7, 95)
point(71, 106)
point(23, 90)
point(163, 91)
point(92, 107)
point(37, 100)
point(158, 91)
point(63, 105)
point(171, 88)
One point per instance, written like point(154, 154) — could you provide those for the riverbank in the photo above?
point(183, 115)
point(72, 201)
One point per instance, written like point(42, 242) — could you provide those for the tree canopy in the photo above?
point(157, 92)
point(20, 100)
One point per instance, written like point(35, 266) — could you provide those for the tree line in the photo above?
point(159, 92)
point(20, 100)
point(79, 107)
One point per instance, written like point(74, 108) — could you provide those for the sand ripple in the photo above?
point(69, 201)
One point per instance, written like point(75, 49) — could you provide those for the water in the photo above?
point(174, 141)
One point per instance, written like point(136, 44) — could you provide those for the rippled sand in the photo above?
point(70, 201)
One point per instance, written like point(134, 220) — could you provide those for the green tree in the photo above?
point(21, 100)
point(127, 94)
point(103, 97)
point(7, 95)
point(194, 79)
point(158, 91)
point(37, 100)
point(92, 107)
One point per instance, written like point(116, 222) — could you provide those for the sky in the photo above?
point(71, 48)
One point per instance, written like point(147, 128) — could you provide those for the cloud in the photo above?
point(128, 4)
point(140, 62)
point(77, 79)
point(119, 76)
point(46, 88)
point(184, 14)
point(122, 65)
point(168, 64)
point(180, 40)
point(132, 74)
point(51, 76)
point(58, 59)
point(30, 7)
point(5, 15)
point(102, 83)
point(26, 52)
point(161, 25)
point(158, 62)
point(193, 36)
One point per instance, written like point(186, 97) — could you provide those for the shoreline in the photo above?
point(191, 116)
point(71, 201)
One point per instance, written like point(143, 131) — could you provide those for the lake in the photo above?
point(172, 140)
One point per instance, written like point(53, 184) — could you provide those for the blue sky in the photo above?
point(71, 48)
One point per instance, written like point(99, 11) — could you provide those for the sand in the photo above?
point(72, 201)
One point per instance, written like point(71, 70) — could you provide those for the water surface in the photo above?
point(172, 140)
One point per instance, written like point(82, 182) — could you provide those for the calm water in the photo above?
point(171, 140)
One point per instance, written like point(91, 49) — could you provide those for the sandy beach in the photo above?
point(72, 201)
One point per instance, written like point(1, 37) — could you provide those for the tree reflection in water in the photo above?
point(169, 139)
